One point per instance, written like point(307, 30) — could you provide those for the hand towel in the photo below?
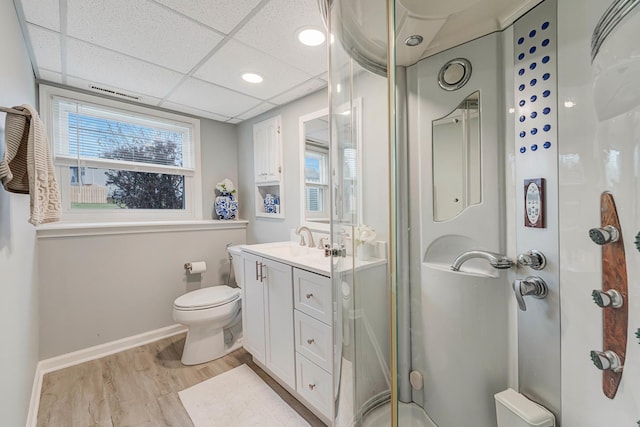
point(27, 166)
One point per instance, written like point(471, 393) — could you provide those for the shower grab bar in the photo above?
point(609, 21)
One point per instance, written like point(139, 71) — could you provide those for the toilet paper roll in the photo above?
point(196, 267)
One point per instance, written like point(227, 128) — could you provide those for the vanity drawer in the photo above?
point(312, 295)
point(313, 340)
point(314, 384)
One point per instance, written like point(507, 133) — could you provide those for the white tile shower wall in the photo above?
point(18, 277)
point(596, 153)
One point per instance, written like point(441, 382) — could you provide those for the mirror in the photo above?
point(456, 160)
point(314, 168)
point(315, 165)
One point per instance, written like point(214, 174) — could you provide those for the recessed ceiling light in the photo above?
point(414, 40)
point(252, 78)
point(311, 37)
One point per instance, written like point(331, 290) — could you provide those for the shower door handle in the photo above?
point(531, 286)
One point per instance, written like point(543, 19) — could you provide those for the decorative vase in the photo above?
point(271, 204)
point(226, 206)
point(363, 252)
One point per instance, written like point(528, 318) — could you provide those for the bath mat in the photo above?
point(237, 397)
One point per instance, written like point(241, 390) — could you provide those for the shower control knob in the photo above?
point(604, 235)
point(531, 286)
point(610, 298)
point(605, 360)
point(533, 259)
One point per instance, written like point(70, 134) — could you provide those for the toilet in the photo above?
point(515, 410)
point(213, 318)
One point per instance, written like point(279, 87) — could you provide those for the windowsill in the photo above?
point(47, 231)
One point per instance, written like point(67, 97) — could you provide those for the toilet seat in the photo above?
point(205, 298)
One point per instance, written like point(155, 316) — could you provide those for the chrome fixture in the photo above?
point(604, 360)
point(309, 235)
point(498, 261)
point(610, 298)
point(609, 21)
point(531, 286)
point(322, 242)
point(533, 259)
point(414, 40)
point(637, 241)
point(604, 235)
point(455, 74)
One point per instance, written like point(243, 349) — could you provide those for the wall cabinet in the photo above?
point(268, 168)
point(268, 315)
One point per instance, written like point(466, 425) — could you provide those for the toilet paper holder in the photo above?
point(195, 267)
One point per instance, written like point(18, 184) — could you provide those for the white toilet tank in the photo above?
point(236, 261)
point(515, 410)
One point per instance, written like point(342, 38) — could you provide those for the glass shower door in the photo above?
point(360, 212)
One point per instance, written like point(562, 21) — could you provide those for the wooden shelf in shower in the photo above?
point(614, 276)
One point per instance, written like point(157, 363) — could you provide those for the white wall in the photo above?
point(587, 167)
point(97, 289)
point(262, 229)
point(18, 278)
point(219, 157)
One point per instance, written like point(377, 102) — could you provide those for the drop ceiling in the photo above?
point(183, 55)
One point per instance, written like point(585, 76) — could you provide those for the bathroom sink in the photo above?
point(292, 253)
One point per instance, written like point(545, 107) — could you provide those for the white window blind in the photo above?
point(87, 135)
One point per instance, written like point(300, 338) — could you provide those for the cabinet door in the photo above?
point(267, 149)
point(253, 307)
point(279, 323)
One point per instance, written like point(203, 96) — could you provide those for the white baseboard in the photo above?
point(91, 353)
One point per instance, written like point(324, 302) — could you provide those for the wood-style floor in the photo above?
point(138, 387)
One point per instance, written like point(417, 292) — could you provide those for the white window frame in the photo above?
point(323, 185)
point(193, 183)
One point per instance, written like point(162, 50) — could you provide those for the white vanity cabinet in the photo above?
point(268, 315)
point(314, 339)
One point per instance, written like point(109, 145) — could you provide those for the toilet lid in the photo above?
point(207, 297)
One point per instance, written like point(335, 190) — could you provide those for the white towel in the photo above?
point(27, 166)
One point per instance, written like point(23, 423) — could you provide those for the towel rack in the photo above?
point(14, 111)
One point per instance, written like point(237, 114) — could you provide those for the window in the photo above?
point(317, 183)
point(118, 161)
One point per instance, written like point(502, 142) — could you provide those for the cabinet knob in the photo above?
point(309, 295)
point(605, 360)
point(310, 341)
point(312, 386)
point(604, 235)
point(610, 298)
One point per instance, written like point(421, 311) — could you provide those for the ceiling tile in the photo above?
point(141, 29)
point(226, 67)
point(119, 71)
point(304, 89)
point(179, 108)
point(273, 30)
point(45, 13)
point(46, 47)
point(208, 97)
point(223, 15)
point(262, 108)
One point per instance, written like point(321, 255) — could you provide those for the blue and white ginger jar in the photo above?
point(226, 206)
point(271, 204)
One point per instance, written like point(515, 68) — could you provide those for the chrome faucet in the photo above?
point(302, 228)
point(496, 260)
